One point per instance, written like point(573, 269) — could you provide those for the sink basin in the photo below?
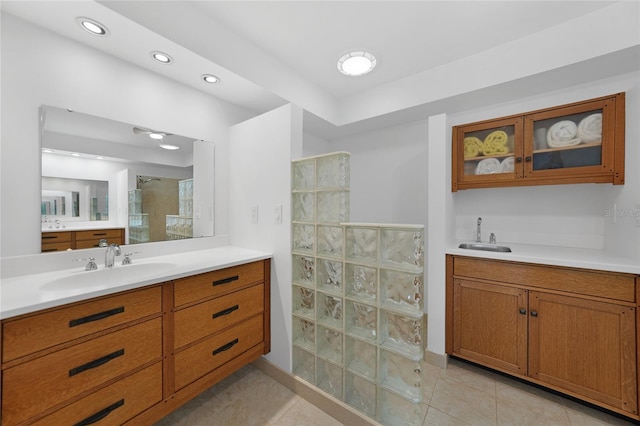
point(485, 247)
point(112, 276)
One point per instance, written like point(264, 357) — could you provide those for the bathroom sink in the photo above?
point(485, 247)
point(105, 277)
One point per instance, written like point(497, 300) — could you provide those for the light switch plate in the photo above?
point(277, 214)
point(254, 214)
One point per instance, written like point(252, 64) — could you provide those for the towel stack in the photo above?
point(566, 133)
point(495, 143)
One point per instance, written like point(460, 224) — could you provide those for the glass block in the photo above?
point(401, 374)
point(401, 332)
point(361, 282)
point(330, 310)
point(304, 302)
point(333, 171)
point(304, 237)
point(303, 174)
point(332, 206)
point(330, 241)
point(402, 247)
point(395, 410)
point(361, 320)
point(360, 357)
point(361, 244)
point(329, 377)
point(329, 344)
point(304, 333)
point(402, 290)
point(360, 393)
point(329, 273)
point(303, 206)
point(304, 270)
point(304, 364)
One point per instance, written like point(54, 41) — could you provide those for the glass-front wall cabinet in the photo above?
point(576, 143)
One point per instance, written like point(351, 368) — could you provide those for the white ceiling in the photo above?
point(268, 53)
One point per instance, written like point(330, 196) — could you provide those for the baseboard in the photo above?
point(436, 359)
point(327, 403)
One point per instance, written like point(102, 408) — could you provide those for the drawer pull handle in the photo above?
point(100, 414)
point(225, 280)
point(224, 347)
point(225, 312)
point(49, 237)
point(99, 234)
point(96, 363)
point(96, 317)
point(534, 313)
point(523, 311)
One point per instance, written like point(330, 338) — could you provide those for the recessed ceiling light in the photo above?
point(156, 136)
point(75, 154)
point(169, 147)
point(92, 26)
point(99, 157)
point(161, 57)
point(210, 78)
point(358, 63)
point(47, 150)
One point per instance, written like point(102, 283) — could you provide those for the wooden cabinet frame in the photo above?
point(581, 327)
point(611, 169)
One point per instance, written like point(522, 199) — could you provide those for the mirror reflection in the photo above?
point(99, 174)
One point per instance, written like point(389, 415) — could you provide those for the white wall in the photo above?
point(261, 150)
point(40, 67)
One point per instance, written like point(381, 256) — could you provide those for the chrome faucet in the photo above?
point(478, 234)
point(113, 250)
point(492, 238)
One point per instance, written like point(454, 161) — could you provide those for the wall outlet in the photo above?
point(254, 214)
point(277, 214)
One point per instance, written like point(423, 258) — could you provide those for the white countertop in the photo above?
point(29, 293)
point(558, 256)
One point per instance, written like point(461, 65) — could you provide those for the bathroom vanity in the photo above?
point(60, 240)
point(140, 350)
point(573, 330)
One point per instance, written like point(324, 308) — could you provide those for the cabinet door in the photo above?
point(488, 153)
point(490, 325)
point(577, 140)
point(584, 346)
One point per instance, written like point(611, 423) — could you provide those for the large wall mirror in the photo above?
point(99, 173)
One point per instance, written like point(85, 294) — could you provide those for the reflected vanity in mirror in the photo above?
point(106, 176)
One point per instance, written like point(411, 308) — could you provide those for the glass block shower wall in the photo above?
point(358, 295)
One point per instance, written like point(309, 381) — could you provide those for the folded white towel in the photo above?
point(590, 128)
point(563, 133)
point(488, 166)
point(507, 165)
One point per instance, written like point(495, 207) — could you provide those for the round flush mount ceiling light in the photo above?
point(92, 26)
point(357, 63)
point(161, 57)
point(156, 136)
point(210, 78)
point(169, 147)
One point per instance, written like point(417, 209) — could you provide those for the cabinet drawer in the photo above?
point(33, 333)
point(97, 234)
point(56, 237)
point(217, 314)
point(211, 284)
point(114, 404)
point(586, 282)
point(48, 247)
point(32, 387)
point(198, 360)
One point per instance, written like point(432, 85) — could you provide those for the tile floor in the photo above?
point(460, 395)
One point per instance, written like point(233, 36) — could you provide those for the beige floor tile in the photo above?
point(471, 375)
point(512, 393)
point(438, 418)
point(430, 374)
point(304, 413)
point(464, 402)
point(512, 414)
point(582, 415)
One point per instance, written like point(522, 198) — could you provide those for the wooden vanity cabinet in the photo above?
point(558, 145)
point(133, 357)
point(65, 240)
point(571, 330)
